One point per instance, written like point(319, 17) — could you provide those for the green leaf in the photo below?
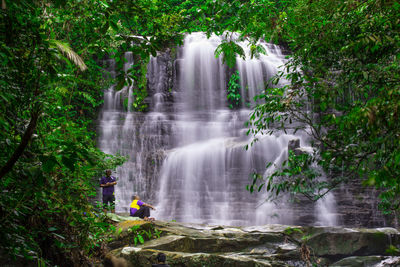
point(260, 187)
point(69, 162)
point(229, 50)
point(120, 84)
point(114, 26)
point(141, 240)
point(66, 49)
point(104, 4)
point(49, 163)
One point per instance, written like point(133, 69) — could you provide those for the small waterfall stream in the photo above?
point(186, 155)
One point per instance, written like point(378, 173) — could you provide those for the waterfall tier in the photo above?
point(186, 155)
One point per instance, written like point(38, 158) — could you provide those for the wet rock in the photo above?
point(294, 144)
point(268, 245)
point(389, 261)
point(123, 234)
point(344, 242)
point(358, 261)
point(285, 248)
point(112, 261)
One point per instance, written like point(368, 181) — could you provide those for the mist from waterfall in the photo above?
point(186, 155)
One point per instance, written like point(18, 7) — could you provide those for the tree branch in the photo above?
point(24, 143)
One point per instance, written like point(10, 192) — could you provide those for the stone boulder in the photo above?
point(294, 145)
point(268, 245)
point(340, 242)
point(376, 261)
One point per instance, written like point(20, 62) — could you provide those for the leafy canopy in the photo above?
point(344, 89)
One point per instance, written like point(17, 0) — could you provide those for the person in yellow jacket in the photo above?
point(140, 209)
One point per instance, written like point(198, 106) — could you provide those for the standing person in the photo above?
point(140, 209)
point(161, 258)
point(108, 182)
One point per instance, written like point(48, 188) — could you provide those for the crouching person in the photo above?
point(140, 209)
point(161, 258)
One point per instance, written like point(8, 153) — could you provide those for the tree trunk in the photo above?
point(21, 147)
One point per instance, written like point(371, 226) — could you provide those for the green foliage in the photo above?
point(392, 250)
point(66, 49)
point(305, 238)
point(135, 78)
point(233, 95)
point(50, 74)
point(292, 230)
point(139, 75)
point(299, 177)
point(344, 79)
point(229, 51)
point(143, 27)
point(257, 50)
point(140, 235)
point(137, 234)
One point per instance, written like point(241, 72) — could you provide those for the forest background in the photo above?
point(344, 66)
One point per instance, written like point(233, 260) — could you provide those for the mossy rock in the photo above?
point(121, 217)
point(126, 232)
point(145, 257)
point(125, 225)
point(347, 243)
point(358, 261)
point(206, 245)
point(269, 245)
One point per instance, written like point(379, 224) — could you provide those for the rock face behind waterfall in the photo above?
point(356, 204)
point(269, 245)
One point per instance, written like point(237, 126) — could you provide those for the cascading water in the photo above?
point(187, 154)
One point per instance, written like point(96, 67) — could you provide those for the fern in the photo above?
point(89, 98)
point(229, 51)
point(256, 50)
point(69, 53)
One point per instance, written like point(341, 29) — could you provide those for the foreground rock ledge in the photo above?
point(269, 245)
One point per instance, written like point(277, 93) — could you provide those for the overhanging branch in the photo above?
point(24, 143)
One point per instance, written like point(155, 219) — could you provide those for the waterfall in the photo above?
point(186, 155)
